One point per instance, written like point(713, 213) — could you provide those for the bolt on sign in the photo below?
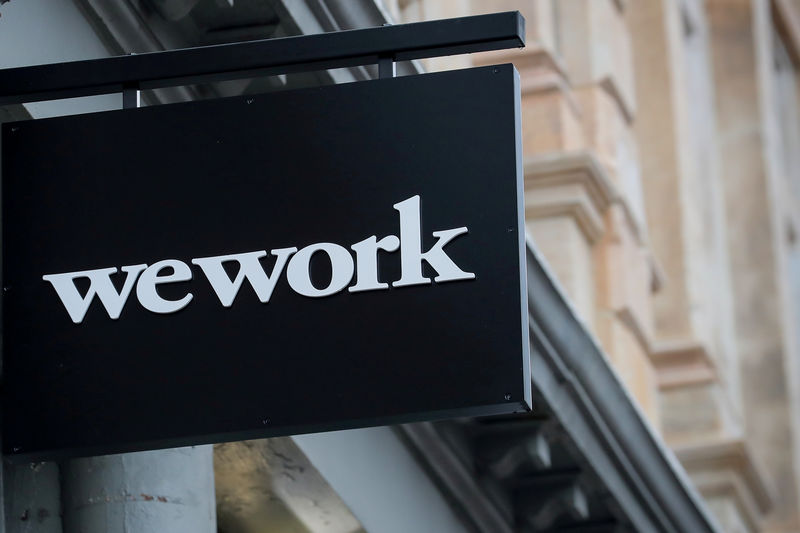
point(306, 260)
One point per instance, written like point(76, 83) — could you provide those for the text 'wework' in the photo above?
point(296, 262)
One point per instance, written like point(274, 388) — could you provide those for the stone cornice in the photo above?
point(582, 409)
point(545, 71)
point(728, 466)
point(542, 70)
point(533, 56)
point(568, 183)
point(682, 363)
point(552, 168)
point(571, 371)
point(576, 185)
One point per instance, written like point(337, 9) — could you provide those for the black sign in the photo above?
point(301, 261)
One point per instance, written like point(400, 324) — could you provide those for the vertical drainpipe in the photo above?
point(142, 492)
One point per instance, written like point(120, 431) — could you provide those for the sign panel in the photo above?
point(306, 260)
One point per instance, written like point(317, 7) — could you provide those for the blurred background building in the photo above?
point(663, 188)
point(661, 145)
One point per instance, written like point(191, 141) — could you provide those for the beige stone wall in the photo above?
point(585, 204)
point(662, 177)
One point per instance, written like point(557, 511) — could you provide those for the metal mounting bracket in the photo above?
point(383, 45)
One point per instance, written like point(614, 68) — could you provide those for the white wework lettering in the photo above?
point(411, 255)
point(299, 277)
point(146, 288)
point(296, 264)
point(99, 284)
point(367, 262)
point(249, 267)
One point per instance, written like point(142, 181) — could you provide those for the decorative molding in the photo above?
point(542, 70)
point(729, 486)
point(583, 167)
point(545, 71)
point(567, 199)
point(585, 459)
point(549, 499)
point(568, 183)
point(576, 185)
point(728, 468)
point(463, 486)
point(533, 56)
point(682, 363)
point(571, 372)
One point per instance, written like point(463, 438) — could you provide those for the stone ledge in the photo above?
point(543, 70)
point(618, 199)
point(575, 184)
point(622, 447)
point(533, 56)
point(570, 200)
point(607, 84)
point(682, 363)
point(568, 183)
point(728, 468)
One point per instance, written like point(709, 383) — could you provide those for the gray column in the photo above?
point(164, 490)
point(32, 498)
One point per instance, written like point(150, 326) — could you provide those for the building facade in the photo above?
point(662, 203)
point(661, 143)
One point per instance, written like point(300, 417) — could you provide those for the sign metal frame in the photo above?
point(382, 45)
point(401, 42)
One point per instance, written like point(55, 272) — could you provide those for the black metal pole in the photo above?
point(399, 42)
